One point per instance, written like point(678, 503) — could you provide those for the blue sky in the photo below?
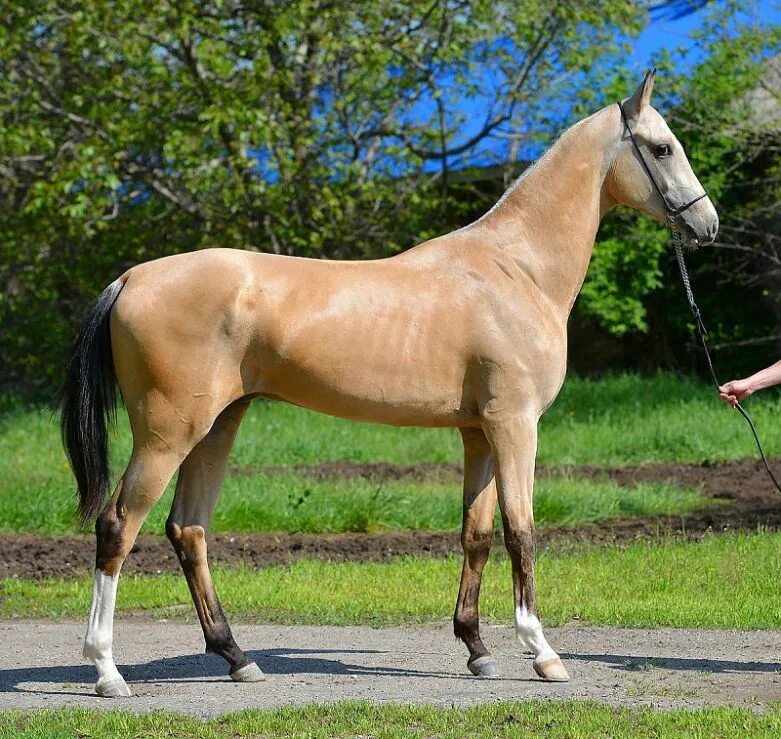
point(671, 34)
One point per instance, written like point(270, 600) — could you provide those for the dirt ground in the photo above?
point(742, 499)
point(41, 667)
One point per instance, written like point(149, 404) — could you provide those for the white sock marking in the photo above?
point(529, 631)
point(100, 627)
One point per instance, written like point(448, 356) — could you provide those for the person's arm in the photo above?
point(735, 391)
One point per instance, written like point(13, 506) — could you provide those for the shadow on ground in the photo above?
point(635, 663)
point(196, 667)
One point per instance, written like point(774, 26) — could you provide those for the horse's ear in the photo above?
point(642, 96)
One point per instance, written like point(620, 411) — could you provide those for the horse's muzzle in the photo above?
point(697, 231)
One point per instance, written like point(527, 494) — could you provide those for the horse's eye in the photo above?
point(662, 150)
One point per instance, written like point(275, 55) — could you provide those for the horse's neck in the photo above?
point(549, 219)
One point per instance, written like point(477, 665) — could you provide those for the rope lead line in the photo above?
point(702, 331)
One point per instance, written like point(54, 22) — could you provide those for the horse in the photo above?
point(467, 330)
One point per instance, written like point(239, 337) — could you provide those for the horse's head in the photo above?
point(653, 174)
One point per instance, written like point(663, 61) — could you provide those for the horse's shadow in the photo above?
point(196, 667)
point(636, 663)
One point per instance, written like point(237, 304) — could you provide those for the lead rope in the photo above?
point(702, 331)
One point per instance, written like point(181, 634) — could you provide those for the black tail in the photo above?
point(87, 403)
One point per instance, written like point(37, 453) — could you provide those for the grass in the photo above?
point(627, 419)
point(618, 420)
point(296, 504)
point(553, 720)
point(724, 582)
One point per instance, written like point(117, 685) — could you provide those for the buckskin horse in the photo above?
point(468, 330)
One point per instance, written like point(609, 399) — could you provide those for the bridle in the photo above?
point(672, 215)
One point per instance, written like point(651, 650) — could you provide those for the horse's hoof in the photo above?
point(552, 670)
point(250, 673)
point(113, 689)
point(485, 666)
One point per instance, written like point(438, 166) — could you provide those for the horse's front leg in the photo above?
point(514, 444)
point(477, 534)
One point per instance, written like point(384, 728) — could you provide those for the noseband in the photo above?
point(672, 214)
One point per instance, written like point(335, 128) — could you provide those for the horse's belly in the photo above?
point(353, 375)
point(364, 402)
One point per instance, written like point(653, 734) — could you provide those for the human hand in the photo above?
point(735, 391)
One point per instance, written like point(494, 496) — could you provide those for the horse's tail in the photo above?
point(88, 403)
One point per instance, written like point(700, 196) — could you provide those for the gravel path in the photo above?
point(40, 666)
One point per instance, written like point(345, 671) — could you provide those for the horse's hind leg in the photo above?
point(151, 468)
point(476, 537)
point(200, 479)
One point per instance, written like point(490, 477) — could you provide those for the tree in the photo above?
point(275, 124)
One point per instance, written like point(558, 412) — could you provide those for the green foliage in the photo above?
point(625, 268)
point(129, 131)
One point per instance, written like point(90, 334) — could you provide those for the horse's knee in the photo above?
point(477, 545)
point(466, 626)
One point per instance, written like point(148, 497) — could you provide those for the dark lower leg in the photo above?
point(466, 620)
point(190, 545)
point(476, 539)
point(109, 539)
point(521, 548)
point(200, 478)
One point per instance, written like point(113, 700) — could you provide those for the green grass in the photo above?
point(620, 419)
point(723, 582)
point(295, 504)
point(627, 419)
point(553, 720)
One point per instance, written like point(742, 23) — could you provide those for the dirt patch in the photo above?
point(33, 556)
point(740, 478)
point(743, 500)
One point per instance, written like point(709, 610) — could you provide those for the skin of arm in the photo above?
point(735, 391)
